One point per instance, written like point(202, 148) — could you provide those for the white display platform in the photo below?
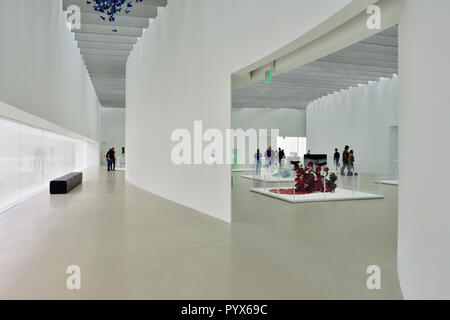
point(389, 182)
point(338, 195)
point(270, 179)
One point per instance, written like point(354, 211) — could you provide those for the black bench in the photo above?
point(66, 183)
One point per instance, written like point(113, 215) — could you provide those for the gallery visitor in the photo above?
point(351, 163)
point(345, 163)
point(111, 159)
point(336, 157)
point(258, 157)
point(269, 155)
point(281, 155)
point(108, 162)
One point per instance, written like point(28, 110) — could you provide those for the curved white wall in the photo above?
point(41, 68)
point(360, 117)
point(424, 113)
point(180, 71)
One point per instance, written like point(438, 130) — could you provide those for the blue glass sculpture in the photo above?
point(109, 8)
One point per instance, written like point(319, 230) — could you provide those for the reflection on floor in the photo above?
point(133, 245)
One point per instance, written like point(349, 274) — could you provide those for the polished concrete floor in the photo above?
point(131, 244)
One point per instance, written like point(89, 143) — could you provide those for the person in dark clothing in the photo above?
point(351, 163)
point(345, 163)
point(258, 157)
point(280, 155)
point(111, 159)
point(336, 157)
point(112, 156)
point(269, 156)
point(108, 161)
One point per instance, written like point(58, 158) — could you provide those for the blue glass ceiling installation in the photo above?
point(109, 31)
point(109, 8)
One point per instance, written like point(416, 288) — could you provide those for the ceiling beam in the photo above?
point(103, 52)
point(108, 30)
point(105, 45)
point(110, 38)
point(121, 21)
point(333, 65)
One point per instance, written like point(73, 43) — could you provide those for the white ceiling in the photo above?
point(105, 52)
point(360, 63)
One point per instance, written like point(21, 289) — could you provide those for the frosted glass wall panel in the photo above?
point(31, 157)
point(9, 163)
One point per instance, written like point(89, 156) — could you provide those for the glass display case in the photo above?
point(296, 183)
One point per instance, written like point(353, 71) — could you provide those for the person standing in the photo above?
point(258, 157)
point(113, 159)
point(336, 157)
point(351, 163)
point(345, 156)
point(108, 160)
point(269, 155)
point(280, 155)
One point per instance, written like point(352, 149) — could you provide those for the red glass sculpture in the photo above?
point(310, 181)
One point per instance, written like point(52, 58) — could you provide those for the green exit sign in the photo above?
point(268, 77)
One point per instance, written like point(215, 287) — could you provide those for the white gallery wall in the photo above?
point(180, 71)
point(424, 113)
point(41, 69)
point(113, 130)
point(290, 122)
point(49, 111)
point(362, 117)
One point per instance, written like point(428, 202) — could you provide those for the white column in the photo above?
point(424, 143)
